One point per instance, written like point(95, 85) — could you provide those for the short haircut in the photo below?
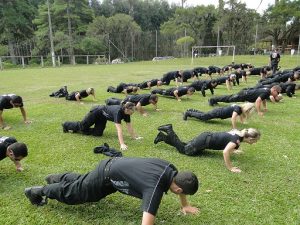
point(187, 181)
point(153, 97)
point(277, 88)
point(129, 106)
point(191, 89)
point(19, 149)
point(16, 99)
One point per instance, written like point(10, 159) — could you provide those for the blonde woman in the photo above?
point(226, 141)
point(233, 111)
point(78, 95)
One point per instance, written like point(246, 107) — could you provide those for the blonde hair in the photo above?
point(247, 109)
point(90, 91)
point(250, 133)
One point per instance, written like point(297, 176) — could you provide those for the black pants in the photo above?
point(274, 67)
point(118, 89)
point(193, 147)
point(213, 114)
point(143, 85)
point(239, 97)
point(113, 101)
point(94, 117)
point(74, 188)
point(167, 92)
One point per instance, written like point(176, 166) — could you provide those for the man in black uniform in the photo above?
point(259, 96)
point(262, 71)
point(202, 85)
point(214, 69)
point(201, 70)
point(274, 60)
point(8, 102)
point(78, 95)
point(287, 87)
point(144, 178)
point(187, 74)
point(9, 147)
point(175, 92)
point(150, 83)
point(173, 75)
point(138, 100)
point(122, 87)
point(99, 115)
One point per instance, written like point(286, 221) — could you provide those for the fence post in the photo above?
point(42, 61)
point(87, 60)
point(1, 67)
point(23, 63)
point(74, 60)
point(58, 60)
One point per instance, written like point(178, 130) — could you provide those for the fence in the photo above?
point(43, 61)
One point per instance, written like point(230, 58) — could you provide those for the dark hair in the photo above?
point(19, 149)
point(16, 99)
point(191, 89)
point(128, 105)
point(135, 89)
point(153, 97)
point(187, 181)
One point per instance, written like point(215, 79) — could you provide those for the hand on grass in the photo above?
point(235, 170)
point(189, 210)
point(123, 147)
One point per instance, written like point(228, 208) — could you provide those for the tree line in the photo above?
point(139, 29)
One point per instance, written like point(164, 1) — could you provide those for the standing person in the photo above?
point(98, 116)
point(138, 100)
point(274, 60)
point(257, 96)
point(175, 92)
point(226, 141)
point(9, 147)
point(8, 102)
point(144, 178)
point(78, 95)
point(233, 111)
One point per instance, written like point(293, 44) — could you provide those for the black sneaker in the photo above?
point(211, 102)
point(34, 195)
point(165, 127)
point(184, 116)
point(52, 178)
point(64, 128)
point(159, 138)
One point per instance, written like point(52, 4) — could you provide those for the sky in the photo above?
point(252, 4)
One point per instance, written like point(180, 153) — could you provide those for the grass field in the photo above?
point(266, 192)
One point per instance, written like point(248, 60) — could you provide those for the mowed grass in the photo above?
point(266, 192)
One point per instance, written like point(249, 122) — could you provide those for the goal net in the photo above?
point(213, 51)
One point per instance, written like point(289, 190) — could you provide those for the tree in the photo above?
point(15, 23)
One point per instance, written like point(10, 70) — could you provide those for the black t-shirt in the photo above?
point(145, 178)
point(274, 57)
point(252, 94)
point(5, 102)
point(226, 112)
point(143, 99)
point(170, 76)
point(201, 70)
point(82, 94)
point(219, 140)
point(153, 82)
point(115, 113)
point(213, 69)
point(181, 91)
point(197, 84)
point(3, 149)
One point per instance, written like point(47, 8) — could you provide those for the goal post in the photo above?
point(199, 51)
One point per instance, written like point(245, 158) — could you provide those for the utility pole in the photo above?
point(156, 43)
point(51, 35)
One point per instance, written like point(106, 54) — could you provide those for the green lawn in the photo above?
point(266, 192)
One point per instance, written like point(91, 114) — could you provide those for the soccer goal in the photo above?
point(213, 51)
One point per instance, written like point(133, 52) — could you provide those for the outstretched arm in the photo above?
point(140, 109)
point(234, 119)
point(148, 219)
point(226, 154)
point(23, 112)
point(77, 96)
point(185, 206)
point(258, 104)
point(120, 136)
point(176, 95)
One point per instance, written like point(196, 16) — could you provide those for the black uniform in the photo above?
point(287, 87)
point(144, 178)
point(121, 87)
point(143, 99)
point(4, 143)
point(281, 77)
point(170, 92)
point(166, 79)
point(274, 58)
point(221, 113)
point(82, 94)
point(249, 95)
point(202, 85)
point(187, 74)
point(144, 84)
point(201, 70)
point(214, 69)
point(206, 140)
point(5, 102)
point(260, 70)
point(98, 116)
